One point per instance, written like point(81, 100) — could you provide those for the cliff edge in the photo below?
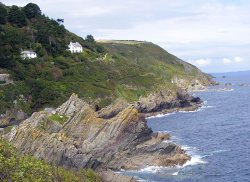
point(75, 136)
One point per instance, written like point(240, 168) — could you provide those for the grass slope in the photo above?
point(16, 167)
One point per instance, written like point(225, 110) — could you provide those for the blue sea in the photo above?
point(217, 136)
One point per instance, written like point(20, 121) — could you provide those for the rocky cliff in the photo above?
point(158, 102)
point(74, 135)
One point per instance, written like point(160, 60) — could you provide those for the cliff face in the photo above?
point(158, 102)
point(75, 136)
point(166, 101)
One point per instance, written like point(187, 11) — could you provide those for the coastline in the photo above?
point(174, 110)
point(171, 170)
point(148, 149)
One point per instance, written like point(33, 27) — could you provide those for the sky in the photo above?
point(214, 35)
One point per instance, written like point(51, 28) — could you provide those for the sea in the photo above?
point(216, 136)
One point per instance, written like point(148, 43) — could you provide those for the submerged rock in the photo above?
point(76, 136)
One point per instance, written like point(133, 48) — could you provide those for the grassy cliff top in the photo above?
point(130, 42)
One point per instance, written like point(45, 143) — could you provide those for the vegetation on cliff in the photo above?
point(17, 167)
point(42, 81)
point(103, 72)
point(77, 134)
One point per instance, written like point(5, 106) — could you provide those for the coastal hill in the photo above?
point(103, 72)
point(107, 89)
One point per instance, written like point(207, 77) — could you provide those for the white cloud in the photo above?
point(238, 59)
point(203, 62)
point(232, 61)
point(227, 61)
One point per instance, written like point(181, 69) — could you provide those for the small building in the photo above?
point(28, 54)
point(75, 47)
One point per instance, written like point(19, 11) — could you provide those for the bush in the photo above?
point(58, 118)
point(90, 175)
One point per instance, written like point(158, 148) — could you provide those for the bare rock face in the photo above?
point(79, 138)
point(113, 109)
point(167, 100)
point(108, 175)
point(12, 117)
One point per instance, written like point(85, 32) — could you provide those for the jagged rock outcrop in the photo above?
point(113, 109)
point(75, 136)
point(12, 117)
point(162, 101)
point(166, 101)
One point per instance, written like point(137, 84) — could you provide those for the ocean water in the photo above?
point(217, 136)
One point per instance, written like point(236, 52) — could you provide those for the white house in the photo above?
point(28, 54)
point(75, 47)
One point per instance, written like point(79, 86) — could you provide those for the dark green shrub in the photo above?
point(16, 16)
point(3, 14)
point(32, 10)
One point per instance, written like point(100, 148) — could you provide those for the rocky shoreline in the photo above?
point(161, 102)
point(111, 139)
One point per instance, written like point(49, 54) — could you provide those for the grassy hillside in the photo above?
point(154, 61)
point(16, 167)
point(105, 70)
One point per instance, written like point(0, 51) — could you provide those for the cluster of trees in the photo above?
point(50, 34)
point(18, 16)
point(38, 79)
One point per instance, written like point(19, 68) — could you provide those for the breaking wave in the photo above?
point(195, 160)
point(160, 115)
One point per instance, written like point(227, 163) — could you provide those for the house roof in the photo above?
point(28, 52)
point(75, 44)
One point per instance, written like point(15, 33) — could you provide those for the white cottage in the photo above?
point(28, 54)
point(75, 47)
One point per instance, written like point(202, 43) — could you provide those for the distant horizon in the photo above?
point(230, 72)
point(214, 36)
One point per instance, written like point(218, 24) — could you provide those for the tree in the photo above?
point(16, 16)
point(60, 20)
point(32, 10)
point(90, 38)
point(3, 14)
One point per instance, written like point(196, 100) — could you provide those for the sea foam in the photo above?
point(195, 160)
point(160, 115)
point(175, 173)
point(151, 169)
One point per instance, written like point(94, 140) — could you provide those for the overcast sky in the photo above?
point(214, 35)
